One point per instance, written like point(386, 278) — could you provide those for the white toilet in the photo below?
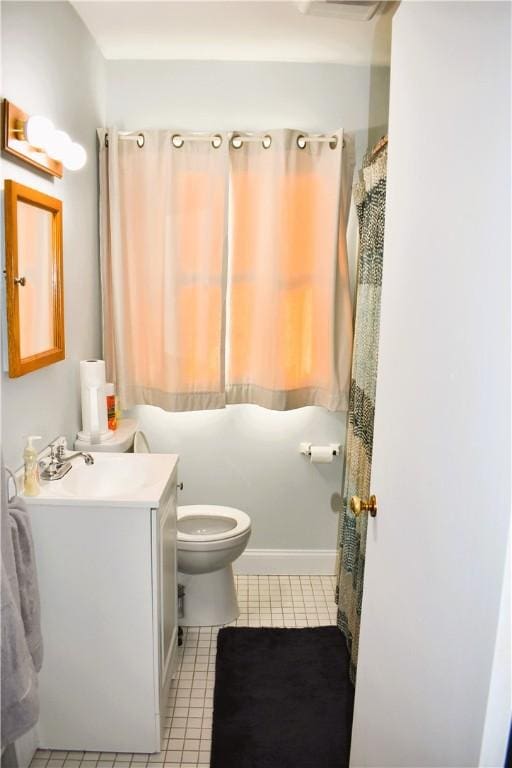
point(210, 538)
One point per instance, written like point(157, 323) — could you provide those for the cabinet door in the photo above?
point(168, 618)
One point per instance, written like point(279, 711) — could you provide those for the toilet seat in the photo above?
point(208, 522)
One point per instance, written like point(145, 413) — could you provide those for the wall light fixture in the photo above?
point(35, 140)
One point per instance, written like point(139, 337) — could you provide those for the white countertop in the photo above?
point(140, 479)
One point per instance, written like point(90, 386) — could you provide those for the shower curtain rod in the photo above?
point(237, 139)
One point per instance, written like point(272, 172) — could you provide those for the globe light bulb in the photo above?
point(75, 157)
point(57, 145)
point(38, 130)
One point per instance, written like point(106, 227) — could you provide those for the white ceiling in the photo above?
point(232, 30)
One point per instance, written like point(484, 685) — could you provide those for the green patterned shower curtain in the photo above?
point(370, 198)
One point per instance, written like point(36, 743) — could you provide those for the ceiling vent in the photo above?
point(353, 10)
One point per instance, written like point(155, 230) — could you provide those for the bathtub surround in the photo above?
point(52, 66)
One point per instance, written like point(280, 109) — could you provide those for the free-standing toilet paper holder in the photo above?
point(305, 448)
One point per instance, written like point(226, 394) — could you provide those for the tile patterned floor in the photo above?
point(270, 601)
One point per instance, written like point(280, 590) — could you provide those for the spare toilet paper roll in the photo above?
point(321, 454)
point(92, 372)
point(94, 404)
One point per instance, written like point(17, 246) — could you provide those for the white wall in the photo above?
point(245, 456)
point(51, 66)
point(227, 95)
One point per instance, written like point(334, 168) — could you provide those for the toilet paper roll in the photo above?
point(321, 454)
point(94, 404)
point(92, 372)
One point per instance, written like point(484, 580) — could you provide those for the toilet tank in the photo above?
point(120, 442)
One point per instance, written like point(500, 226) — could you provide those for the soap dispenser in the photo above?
point(31, 468)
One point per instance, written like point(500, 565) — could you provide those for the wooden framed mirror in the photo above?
point(34, 279)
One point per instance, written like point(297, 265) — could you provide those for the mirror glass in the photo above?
point(35, 264)
point(33, 274)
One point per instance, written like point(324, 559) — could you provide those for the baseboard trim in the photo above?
point(286, 562)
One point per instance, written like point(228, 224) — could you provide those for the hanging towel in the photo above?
point(19, 696)
point(26, 573)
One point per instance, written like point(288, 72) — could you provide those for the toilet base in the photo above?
point(210, 598)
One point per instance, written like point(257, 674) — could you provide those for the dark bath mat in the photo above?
point(283, 699)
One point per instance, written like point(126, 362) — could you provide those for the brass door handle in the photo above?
point(358, 505)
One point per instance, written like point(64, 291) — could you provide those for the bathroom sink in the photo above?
point(112, 477)
point(113, 480)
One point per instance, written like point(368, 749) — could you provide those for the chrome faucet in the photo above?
point(59, 464)
point(61, 455)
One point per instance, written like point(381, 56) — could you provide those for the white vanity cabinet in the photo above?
point(107, 578)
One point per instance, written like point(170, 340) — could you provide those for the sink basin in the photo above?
point(113, 480)
point(108, 478)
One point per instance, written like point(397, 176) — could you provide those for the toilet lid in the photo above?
point(207, 522)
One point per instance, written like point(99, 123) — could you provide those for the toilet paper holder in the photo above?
point(305, 448)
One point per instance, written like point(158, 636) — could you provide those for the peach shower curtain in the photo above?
point(224, 271)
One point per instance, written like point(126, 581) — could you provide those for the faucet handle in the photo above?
point(49, 466)
point(61, 451)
